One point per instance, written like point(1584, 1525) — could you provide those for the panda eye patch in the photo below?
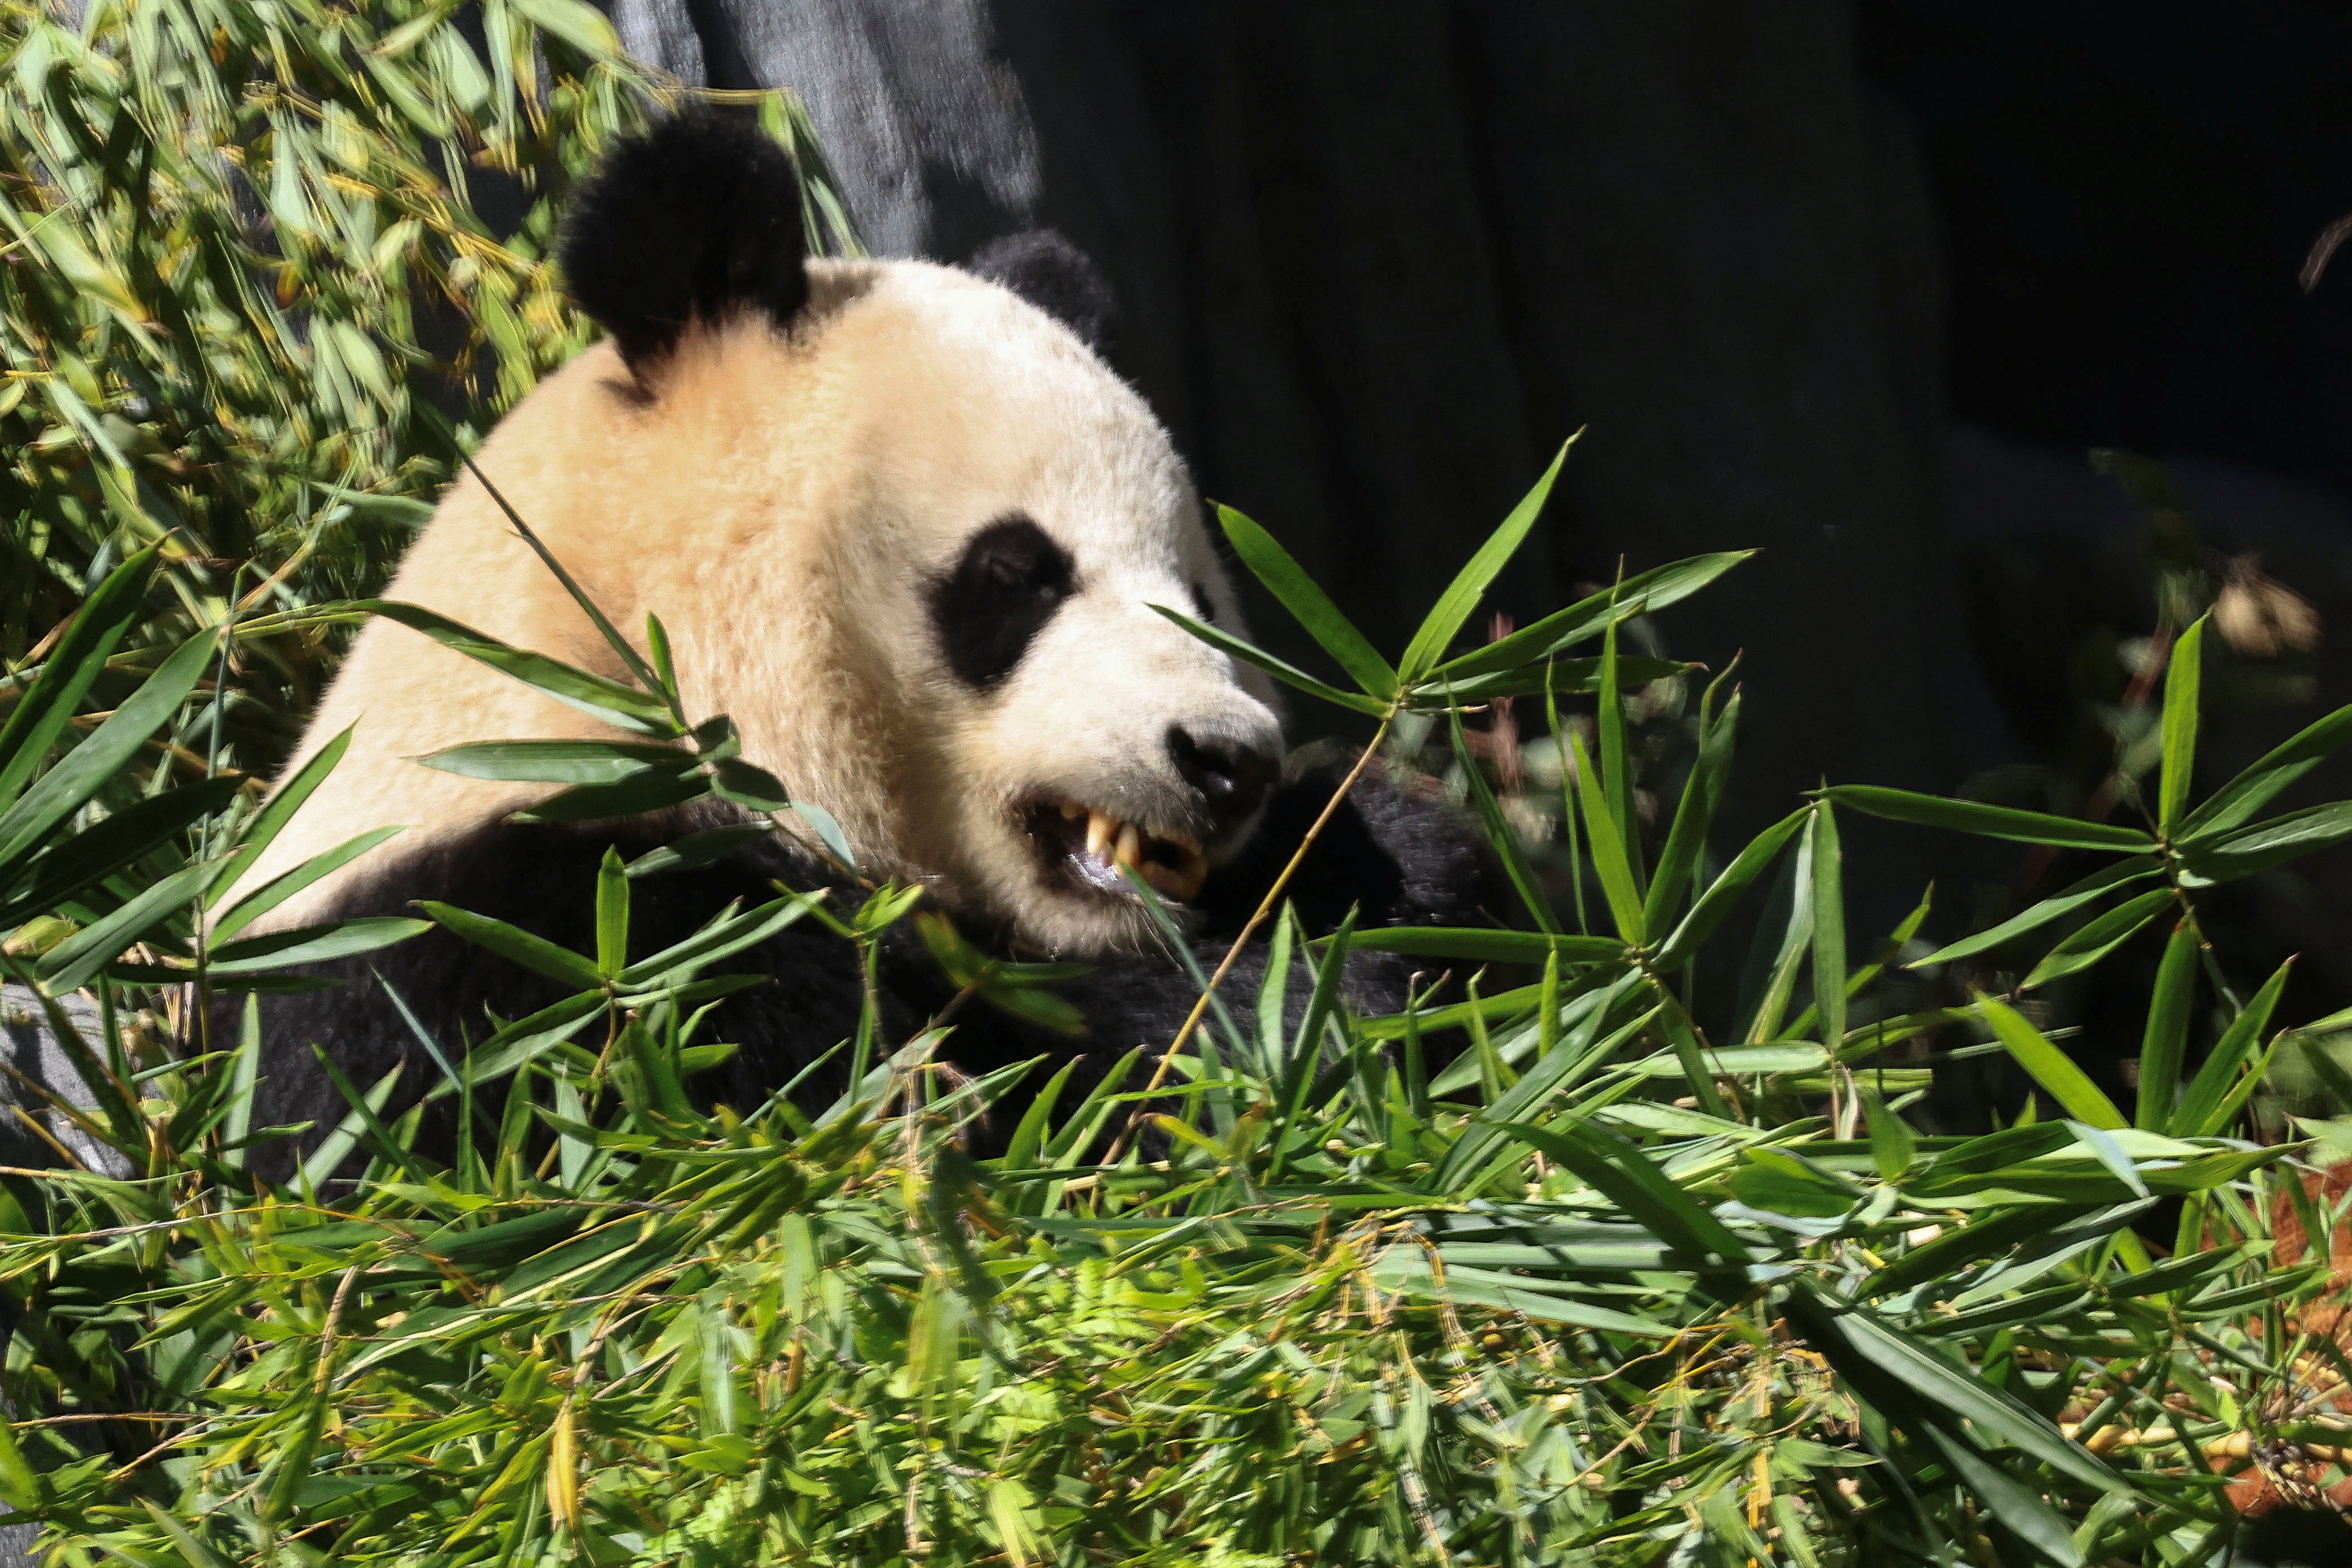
point(1005, 587)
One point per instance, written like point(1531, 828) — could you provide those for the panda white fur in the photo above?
point(904, 526)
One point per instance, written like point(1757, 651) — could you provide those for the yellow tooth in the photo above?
point(1182, 883)
point(1100, 830)
point(1130, 846)
point(1184, 841)
point(1072, 811)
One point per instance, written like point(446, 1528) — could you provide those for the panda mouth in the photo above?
point(1091, 847)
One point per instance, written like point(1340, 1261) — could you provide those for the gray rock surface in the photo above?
point(35, 1058)
point(33, 1051)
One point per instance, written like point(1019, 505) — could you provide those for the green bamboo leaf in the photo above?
point(581, 26)
point(1686, 840)
point(1462, 596)
point(699, 849)
point(1500, 835)
point(2050, 1067)
point(557, 761)
point(2196, 1117)
point(2277, 768)
point(722, 938)
point(41, 713)
point(284, 801)
point(2243, 852)
point(754, 789)
point(1308, 605)
point(2181, 680)
point(1609, 860)
point(2098, 938)
point(322, 1162)
point(311, 945)
point(1829, 923)
point(1288, 674)
point(1562, 676)
point(1893, 1148)
point(2090, 889)
point(1486, 946)
point(2018, 1508)
point(1306, 1050)
point(595, 802)
point(1990, 821)
point(516, 945)
point(1614, 782)
point(82, 860)
point(2165, 1041)
point(1639, 593)
point(1780, 978)
point(1808, 1023)
point(85, 769)
point(612, 915)
point(1725, 892)
point(75, 962)
point(1875, 1347)
point(623, 707)
point(1623, 1174)
point(285, 884)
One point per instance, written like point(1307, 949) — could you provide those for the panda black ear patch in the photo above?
point(1054, 275)
point(695, 220)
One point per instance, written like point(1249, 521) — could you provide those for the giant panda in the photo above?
point(904, 526)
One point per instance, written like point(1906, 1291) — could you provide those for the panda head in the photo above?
point(959, 518)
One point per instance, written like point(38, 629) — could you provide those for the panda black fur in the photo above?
point(904, 527)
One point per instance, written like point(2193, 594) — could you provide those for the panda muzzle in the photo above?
point(1095, 847)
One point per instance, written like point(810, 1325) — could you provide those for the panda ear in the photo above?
point(1054, 275)
point(697, 220)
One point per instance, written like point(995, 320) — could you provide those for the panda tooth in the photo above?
point(1180, 882)
point(1100, 830)
point(1184, 841)
point(1072, 811)
point(1130, 846)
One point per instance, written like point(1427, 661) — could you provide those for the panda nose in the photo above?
point(1232, 777)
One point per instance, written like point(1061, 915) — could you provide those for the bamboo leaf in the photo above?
point(1990, 821)
point(2197, 1116)
point(2050, 1067)
point(2275, 771)
point(1725, 892)
point(516, 945)
point(2090, 889)
point(2098, 938)
point(83, 771)
point(1288, 674)
point(1686, 840)
point(1609, 860)
point(2165, 1041)
point(41, 713)
point(1308, 605)
point(2181, 681)
point(1829, 923)
point(1488, 946)
point(1462, 596)
point(1581, 622)
point(311, 944)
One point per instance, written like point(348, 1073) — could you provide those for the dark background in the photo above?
point(1857, 284)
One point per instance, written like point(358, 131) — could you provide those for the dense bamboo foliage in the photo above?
point(1594, 1268)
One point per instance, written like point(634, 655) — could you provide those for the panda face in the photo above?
point(902, 526)
point(1024, 513)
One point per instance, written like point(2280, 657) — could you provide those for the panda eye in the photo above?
point(1201, 603)
point(1000, 594)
